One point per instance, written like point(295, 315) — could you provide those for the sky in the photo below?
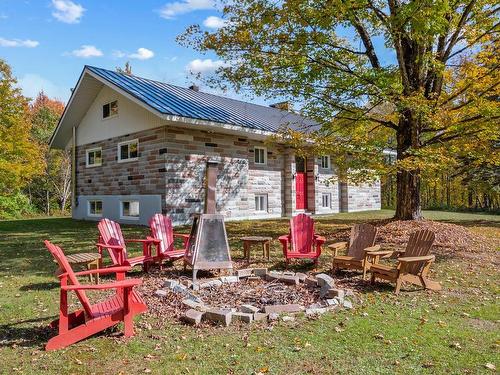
point(48, 42)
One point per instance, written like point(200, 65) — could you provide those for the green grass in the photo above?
point(419, 329)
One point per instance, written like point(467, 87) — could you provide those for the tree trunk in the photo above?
point(408, 205)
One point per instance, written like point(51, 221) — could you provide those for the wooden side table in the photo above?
point(89, 260)
point(256, 240)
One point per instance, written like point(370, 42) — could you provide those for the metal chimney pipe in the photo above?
point(211, 180)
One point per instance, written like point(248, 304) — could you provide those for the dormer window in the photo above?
point(110, 109)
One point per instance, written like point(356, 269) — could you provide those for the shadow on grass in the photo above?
point(39, 286)
point(15, 334)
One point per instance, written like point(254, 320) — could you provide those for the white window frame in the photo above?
point(264, 151)
point(328, 162)
point(123, 216)
point(266, 202)
point(118, 150)
point(110, 116)
point(89, 203)
point(328, 197)
point(87, 152)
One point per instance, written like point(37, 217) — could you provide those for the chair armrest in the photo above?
point(417, 259)
point(373, 248)
point(319, 239)
point(284, 238)
point(116, 285)
point(337, 246)
point(381, 252)
point(117, 247)
point(182, 235)
point(153, 240)
point(104, 271)
point(149, 239)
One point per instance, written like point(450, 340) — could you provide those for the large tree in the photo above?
point(421, 76)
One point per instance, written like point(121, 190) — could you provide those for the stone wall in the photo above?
point(362, 197)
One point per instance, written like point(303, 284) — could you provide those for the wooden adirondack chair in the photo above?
point(302, 242)
point(91, 319)
point(361, 242)
point(111, 238)
point(413, 266)
point(162, 231)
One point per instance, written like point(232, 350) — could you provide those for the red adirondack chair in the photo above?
point(302, 242)
point(163, 231)
point(111, 238)
point(91, 319)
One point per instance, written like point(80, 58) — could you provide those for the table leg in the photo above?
point(268, 249)
point(89, 267)
point(248, 253)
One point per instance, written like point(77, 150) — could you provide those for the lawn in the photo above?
point(454, 331)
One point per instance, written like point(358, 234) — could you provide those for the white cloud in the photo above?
point(87, 51)
point(32, 84)
point(170, 10)
point(214, 22)
point(67, 11)
point(142, 54)
point(28, 43)
point(118, 54)
point(199, 66)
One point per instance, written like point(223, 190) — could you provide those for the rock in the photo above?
point(170, 283)
point(273, 316)
point(258, 316)
point(325, 289)
point(211, 284)
point(289, 273)
point(291, 308)
point(332, 302)
point(323, 279)
point(179, 288)
point(254, 278)
point(161, 293)
point(316, 310)
point(219, 316)
point(194, 304)
point(249, 309)
point(288, 318)
point(348, 293)
point(347, 304)
point(332, 293)
point(302, 276)
point(244, 273)
point(192, 317)
point(261, 272)
point(193, 297)
point(311, 282)
point(229, 279)
point(286, 279)
point(243, 317)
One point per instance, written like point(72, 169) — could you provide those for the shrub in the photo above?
point(15, 206)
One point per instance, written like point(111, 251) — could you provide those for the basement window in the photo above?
point(110, 109)
point(261, 202)
point(130, 210)
point(94, 208)
point(326, 200)
point(128, 151)
point(93, 157)
point(260, 155)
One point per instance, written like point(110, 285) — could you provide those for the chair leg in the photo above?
point(399, 282)
point(127, 313)
point(372, 279)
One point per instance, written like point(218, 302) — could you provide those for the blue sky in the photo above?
point(47, 42)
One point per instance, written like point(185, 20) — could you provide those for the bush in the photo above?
point(15, 206)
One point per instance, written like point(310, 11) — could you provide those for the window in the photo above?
point(326, 199)
point(110, 109)
point(325, 162)
point(261, 202)
point(260, 155)
point(130, 209)
point(128, 151)
point(93, 157)
point(95, 208)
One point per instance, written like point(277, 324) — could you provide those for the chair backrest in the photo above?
point(302, 233)
point(419, 244)
point(60, 258)
point(362, 236)
point(111, 234)
point(162, 229)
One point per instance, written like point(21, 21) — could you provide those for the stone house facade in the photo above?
point(131, 162)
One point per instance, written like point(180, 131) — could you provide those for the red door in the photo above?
point(301, 191)
point(300, 184)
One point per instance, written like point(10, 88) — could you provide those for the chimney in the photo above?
point(194, 88)
point(284, 106)
point(211, 179)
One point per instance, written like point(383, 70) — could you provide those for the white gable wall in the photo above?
point(132, 118)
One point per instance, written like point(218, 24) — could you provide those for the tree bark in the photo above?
point(408, 205)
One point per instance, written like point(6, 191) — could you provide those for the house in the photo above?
point(141, 146)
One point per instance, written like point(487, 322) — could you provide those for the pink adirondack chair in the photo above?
point(92, 318)
point(163, 231)
point(302, 242)
point(111, 238)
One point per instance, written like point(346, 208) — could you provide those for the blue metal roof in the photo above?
point(179, 101)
